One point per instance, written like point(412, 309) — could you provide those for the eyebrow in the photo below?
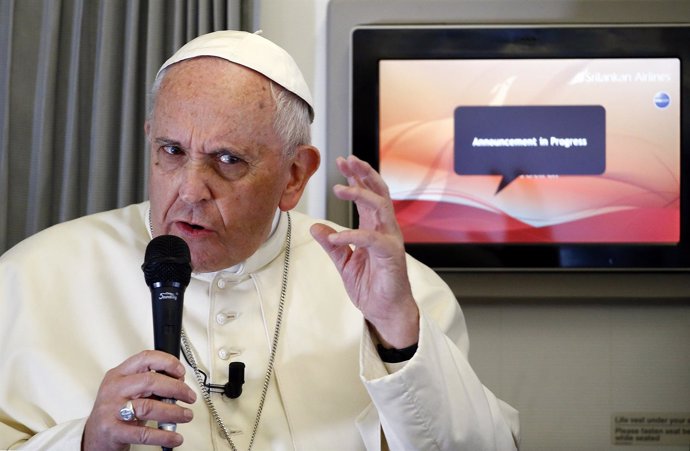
point(167, 141)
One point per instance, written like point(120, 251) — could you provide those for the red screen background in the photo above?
point(636, 200)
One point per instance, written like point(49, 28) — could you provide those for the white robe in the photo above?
point(73, 304)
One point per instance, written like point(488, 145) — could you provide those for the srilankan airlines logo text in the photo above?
point(586, 76)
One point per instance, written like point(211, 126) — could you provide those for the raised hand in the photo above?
point(371, 259)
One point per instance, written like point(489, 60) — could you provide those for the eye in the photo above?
point(169, 156)
point(171, 149)
point(228, 158)
point(230, 166)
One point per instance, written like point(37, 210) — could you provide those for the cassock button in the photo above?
point(223, 354)
point(221, 283)
point(224, 317)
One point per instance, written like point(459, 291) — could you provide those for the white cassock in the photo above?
point(73, 304)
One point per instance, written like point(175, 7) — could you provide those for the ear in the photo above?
point(302, 166)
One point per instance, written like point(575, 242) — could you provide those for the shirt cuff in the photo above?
point(371, 365)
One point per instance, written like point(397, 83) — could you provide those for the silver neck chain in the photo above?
point(187, 349)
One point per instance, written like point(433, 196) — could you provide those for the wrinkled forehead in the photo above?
point(213, 87)
point(212, 74)
point(251, 51)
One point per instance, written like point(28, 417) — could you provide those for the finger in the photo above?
point(161, 411)
point(379, 244)
point(360, 173)
point(363, 196)
point(353, 166)
point(320, 232)
point(338, 243)
point(138, 379)
point(338, 253)
point(150, 360)
point(375, 212)
point(366, 188)
point(144, 435)
point(144, 385)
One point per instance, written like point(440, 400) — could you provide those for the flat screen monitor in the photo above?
point(522, 147)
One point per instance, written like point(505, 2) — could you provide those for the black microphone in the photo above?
point(167, 270)
point(233, 389)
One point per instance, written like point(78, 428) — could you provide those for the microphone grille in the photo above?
point(167, 259)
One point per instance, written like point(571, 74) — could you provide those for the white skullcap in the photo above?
point(252, 51)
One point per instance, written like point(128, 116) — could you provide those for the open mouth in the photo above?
point(190, 228)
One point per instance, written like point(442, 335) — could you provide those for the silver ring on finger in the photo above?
point(127, 412)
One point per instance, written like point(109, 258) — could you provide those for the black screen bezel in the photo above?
point(370, 44)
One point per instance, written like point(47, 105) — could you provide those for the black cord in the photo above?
point(214, 388)
point(233, 388)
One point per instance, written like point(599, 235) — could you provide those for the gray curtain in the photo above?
point(74, 80)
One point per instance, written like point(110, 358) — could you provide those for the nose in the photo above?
point(194, 185)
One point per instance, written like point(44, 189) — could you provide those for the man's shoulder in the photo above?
point(122, 225)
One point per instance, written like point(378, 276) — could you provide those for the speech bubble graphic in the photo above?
point(530, 140)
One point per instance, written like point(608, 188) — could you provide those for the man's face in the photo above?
point(218, 171)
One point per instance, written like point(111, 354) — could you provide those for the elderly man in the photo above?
point(348, 343)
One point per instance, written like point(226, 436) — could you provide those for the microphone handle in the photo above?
point(167, 299)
